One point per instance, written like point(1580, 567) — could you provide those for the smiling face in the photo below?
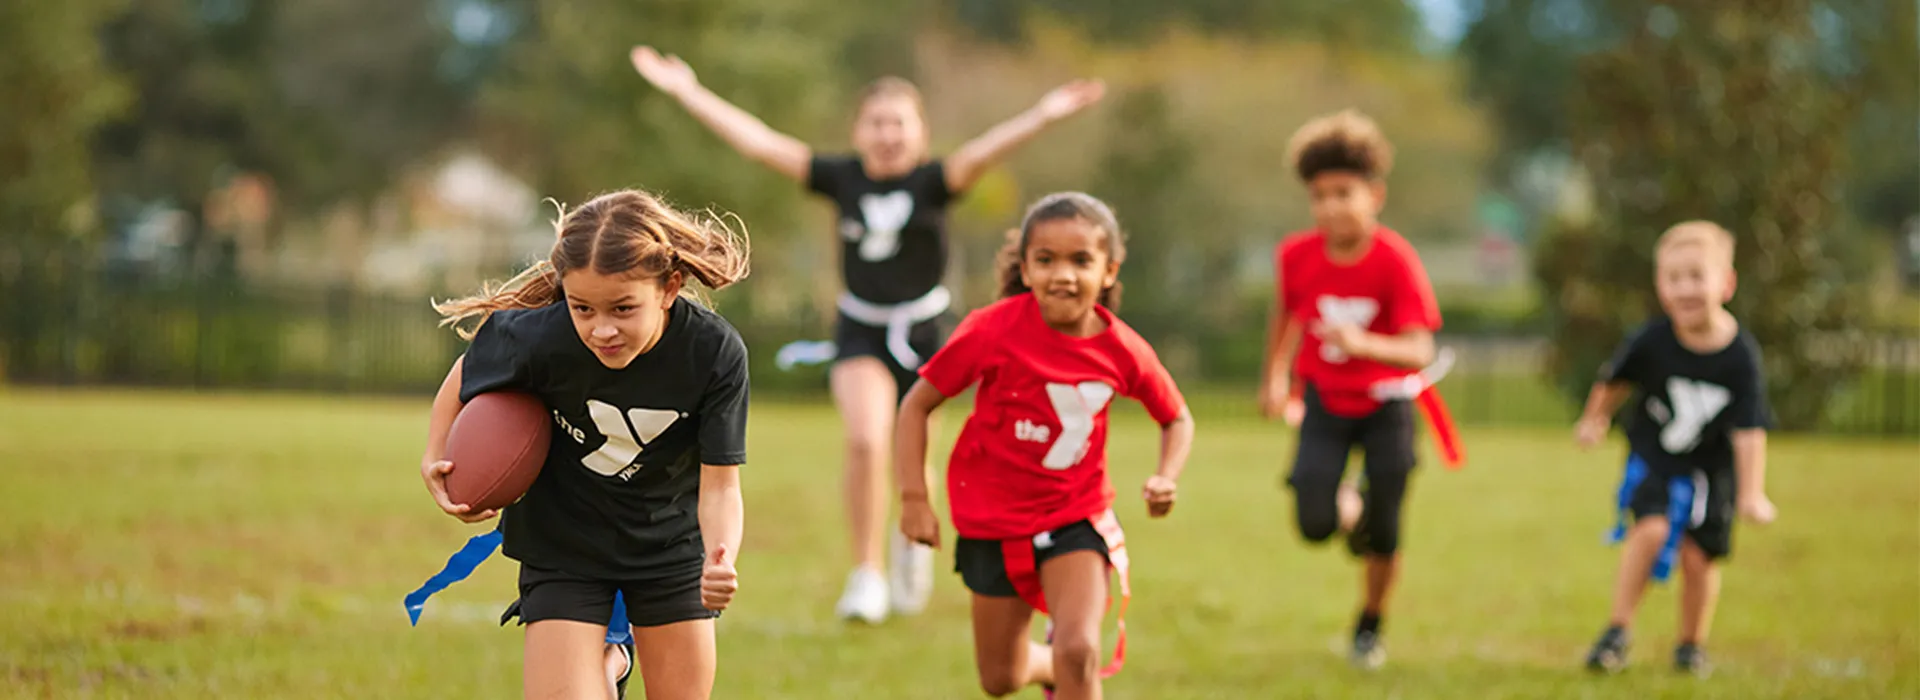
point(890, 135)
point(1067, 263)
point(1692, 280)
point(618, 317)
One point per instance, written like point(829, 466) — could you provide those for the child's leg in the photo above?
point(1644, 541)
point(1319, 461)
point(1387, 436)
point(1003, 648)
point(1075, 584)
point(563, 659)
point(676, 660)
point(1699, 592)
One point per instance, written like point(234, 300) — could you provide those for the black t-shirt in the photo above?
point(893, 233)
point(618, 494)
point(1688, 403)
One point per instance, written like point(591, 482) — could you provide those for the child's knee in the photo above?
point(1076, 655)
point(1000, 682)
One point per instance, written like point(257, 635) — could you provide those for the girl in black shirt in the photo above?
point(892, 200)
point(640, 493)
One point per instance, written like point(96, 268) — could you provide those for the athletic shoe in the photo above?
point(620, 684)
point(1368, 653)
point(865, 598)
point(910, 580)
point(1691, 659)
point(1609, 654)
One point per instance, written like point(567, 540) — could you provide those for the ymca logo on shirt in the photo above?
point(879, 234)
point(1695, 404)
point(627, 435)
point(1344, 311)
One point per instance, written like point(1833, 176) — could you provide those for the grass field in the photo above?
point(158, 545)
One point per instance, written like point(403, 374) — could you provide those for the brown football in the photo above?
point(497, 445)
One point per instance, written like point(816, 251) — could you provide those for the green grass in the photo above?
point(159, 545)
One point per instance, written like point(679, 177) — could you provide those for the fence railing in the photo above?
point(205, 335)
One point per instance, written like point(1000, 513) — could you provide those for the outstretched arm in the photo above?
point(973, 158)
point(744, 132)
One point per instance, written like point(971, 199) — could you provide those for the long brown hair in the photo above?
point(1055, 207)
point(628, 232)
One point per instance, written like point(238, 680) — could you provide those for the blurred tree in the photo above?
point(333, 100)
point(1523, 55)
point(1717, 112)
point(1376, 26)
point(57, 90)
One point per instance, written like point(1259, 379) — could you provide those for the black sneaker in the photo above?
point(1609, 654)
point(1692, 660)
point(1368, 653)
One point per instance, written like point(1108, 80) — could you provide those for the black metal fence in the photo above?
point(185, 333)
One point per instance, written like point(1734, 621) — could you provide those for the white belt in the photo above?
point(898, 319)
point(1410, 386)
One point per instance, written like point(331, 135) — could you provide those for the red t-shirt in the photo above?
point(1386, 291)
point(1033, 455)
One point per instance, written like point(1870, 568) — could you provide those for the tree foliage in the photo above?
point(1717, 112)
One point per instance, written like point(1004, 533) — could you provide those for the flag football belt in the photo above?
point(1418, 388)
point(1025, 575)
point(1686, 509)
point(477, 550)
point(898, 319)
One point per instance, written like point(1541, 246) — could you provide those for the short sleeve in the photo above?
point(1750, 408)
point(932, 186)
point(827, 175)
point(1629, 361)
point(957, 365)
point(1412, 304)
point(723, 408)
point(498, 357)
point(1153, 385)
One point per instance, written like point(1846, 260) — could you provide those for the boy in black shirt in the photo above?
point(640, 493)
point(1698, 439)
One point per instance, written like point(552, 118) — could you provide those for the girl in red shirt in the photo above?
point(1355, 304)
point(1027, 481)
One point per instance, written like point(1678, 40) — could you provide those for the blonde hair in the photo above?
point(1718, 241)
point(894, 86)
point(627, 232)
point(1346, 140)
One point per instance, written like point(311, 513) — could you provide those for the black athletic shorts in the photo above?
point(1711, 523)
point(855, 339)
point(983, 566)
point(548, 594)
point(1386, 436)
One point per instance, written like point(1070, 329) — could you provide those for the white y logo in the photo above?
point(1075, 406)
point(1695, 404)
point(622, 446)
point(885, 215)
point(1344, 311)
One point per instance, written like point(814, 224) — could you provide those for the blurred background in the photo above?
point(222, 223)
point(255, 194)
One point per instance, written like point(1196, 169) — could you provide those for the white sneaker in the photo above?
point(865, 598)
point(910, 583)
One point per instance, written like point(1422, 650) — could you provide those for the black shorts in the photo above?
point(548, 594)
point(855, 339)
point(1710, 521)
point(1385, 436)
point(982, 564)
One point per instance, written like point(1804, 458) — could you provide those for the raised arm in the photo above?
point(744, 132)
point(973, 158)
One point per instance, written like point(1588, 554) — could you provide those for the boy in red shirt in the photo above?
point(1028, 478)
point(1355, 304)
